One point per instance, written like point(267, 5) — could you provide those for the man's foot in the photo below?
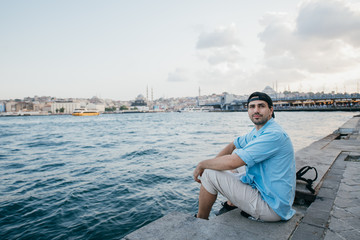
point(245, 214)
point(228, 205)
point(248, 216)
point(225, 208)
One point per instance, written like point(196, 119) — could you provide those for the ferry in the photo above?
point(85, 112)
point(194, 109)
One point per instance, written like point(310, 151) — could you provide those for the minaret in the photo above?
point(198, 98)
point(152, 98)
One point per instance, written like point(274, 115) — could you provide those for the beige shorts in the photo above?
point(240, 194)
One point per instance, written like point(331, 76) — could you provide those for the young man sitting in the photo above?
point(267, 189)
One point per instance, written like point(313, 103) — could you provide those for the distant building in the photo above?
point(226, 100)
point(270, 91)
point(69, 107)
point(38, 106)
point(18, 106)
point(2, 107)
point(98, 107)
point(10, 106)
point(96, 100)
point(140, 103)
point(47, 108)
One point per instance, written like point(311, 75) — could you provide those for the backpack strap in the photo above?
point(301, 172)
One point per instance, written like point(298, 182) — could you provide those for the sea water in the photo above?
point(102, 177)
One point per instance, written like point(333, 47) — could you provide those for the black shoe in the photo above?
point(225, 208)
point(248, 216)
point(245, 214)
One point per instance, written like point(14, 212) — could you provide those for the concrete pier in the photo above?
point(333, 213)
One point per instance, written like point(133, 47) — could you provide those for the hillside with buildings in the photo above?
point(47, 105)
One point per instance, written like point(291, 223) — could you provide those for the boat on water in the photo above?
point(85, 112)
point(194, 109)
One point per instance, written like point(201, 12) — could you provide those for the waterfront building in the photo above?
point(10, 106)
point(2, 107)
point(18, 106)
point(159, 108)
point(46, 108)
point(316, 103)
point(140, 103)
point(38, 106)
point(97, 107)
point(68, 107)
point(226, 100)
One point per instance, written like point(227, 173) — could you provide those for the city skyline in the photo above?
point(115, 49)
point(269, 90)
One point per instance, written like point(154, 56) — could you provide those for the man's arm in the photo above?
point(225, 162)
point(227, 150)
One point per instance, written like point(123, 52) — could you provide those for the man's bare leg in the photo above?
point(206, 201)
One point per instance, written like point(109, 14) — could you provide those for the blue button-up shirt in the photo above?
point(270, 166)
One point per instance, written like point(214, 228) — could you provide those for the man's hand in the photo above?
point(226, 162)
point(198, 172)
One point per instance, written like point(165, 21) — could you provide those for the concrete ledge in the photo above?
point(349, 127)
point(315, 224)
point(322, 155)
point(257, 229)
point(230, 225)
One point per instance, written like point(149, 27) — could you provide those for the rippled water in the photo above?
point(102, 177)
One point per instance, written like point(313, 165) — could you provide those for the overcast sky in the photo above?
point(115, 49)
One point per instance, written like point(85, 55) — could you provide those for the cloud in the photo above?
point(221, 51)
point(220, 37)
point(268, 76)
point(324, 38)
point(214, 56)
point(223, 78)
point(220, 56)
point(179, 75)
point(329, 20)
point(311, 50)
point(221, 46)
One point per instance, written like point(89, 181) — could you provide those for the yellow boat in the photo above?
point(85, 112)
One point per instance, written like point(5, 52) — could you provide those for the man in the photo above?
point(267, 189)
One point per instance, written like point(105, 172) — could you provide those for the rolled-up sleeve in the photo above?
point(241, 141)
point(259, 149)
point(237, 142)
point(245, 157)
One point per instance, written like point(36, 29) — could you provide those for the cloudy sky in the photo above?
point(115, 49)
